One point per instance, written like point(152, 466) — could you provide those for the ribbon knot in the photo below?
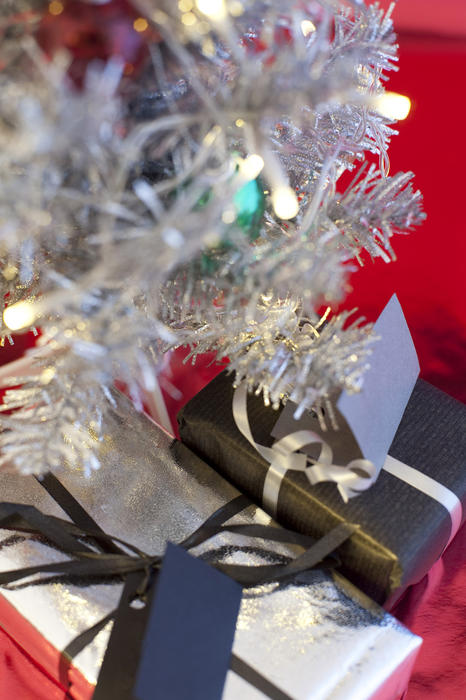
point(284, 455)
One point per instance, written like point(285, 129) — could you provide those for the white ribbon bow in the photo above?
point(284, 454)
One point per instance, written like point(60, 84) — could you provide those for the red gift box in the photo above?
point(29, 663)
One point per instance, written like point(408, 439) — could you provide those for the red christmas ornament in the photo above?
point(95, 31)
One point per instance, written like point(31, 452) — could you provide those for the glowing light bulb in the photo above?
point(285, 202)
point(307, 27)
point(211, 135)
point(10, 271)
point(228, 216)
point(47, 375)
point(189, 19)
point(56, 8)
point(208, 47)
point(159, 17)
point(19, 315)
point(140, 24)
point(392, 105)
point(251, 166)
point(214, 9)
point(235, 8)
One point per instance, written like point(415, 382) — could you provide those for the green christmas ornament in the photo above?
point(249, 203)
point(250, 206)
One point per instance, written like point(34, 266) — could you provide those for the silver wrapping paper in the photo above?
point(315, 637)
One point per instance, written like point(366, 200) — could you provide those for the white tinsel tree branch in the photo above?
point(195, 204)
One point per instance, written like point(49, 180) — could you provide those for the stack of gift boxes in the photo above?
point(311, 530)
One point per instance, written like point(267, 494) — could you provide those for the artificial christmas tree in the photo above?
point(180, 185)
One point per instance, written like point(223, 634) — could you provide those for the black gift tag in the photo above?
point(176, 646)
point(190, 631)
point(121, 660)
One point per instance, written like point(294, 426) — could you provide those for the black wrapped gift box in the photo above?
point(402, 530)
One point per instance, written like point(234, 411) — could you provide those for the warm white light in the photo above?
point(285, 202)
point(56, 8)
point(214, 9)
point(211, 135)
point(47, 375)
point(10, 271)
point(189, 19)
point(392, 105)
point(251, 166)
point(159, 17)
point(228, 216)
point(235, 8)
point(208, 46)
point(19, 315)
point(140, 24)
point(307, 27)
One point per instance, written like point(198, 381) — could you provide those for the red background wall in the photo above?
point(429, 274)
point(447, 17)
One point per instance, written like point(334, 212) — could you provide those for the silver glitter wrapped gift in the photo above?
point(314, 637)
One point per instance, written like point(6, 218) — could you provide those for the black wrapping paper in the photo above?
point(402, 530)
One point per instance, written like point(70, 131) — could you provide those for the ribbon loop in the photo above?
point(285, 455)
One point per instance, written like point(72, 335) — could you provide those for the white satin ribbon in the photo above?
point(431, 488)
point(284, 454)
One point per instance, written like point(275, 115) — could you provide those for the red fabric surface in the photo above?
point(435, 609)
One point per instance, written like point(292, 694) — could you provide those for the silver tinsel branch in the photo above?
point(194, 204)
point(56, 421)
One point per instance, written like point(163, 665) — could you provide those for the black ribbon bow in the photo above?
point(94, 554)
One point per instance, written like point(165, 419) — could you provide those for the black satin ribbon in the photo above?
point(75, 511)
point(256, 679)
point(88, 563)
point(95, 554)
